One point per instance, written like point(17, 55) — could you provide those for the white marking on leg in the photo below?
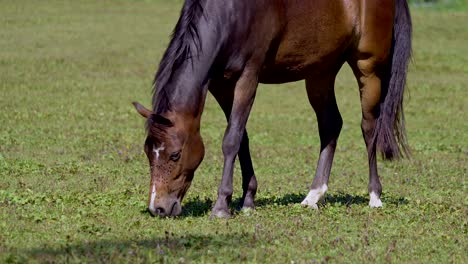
point(374, 200)
point(153, 197)
point(156, 151)
point(314, 196)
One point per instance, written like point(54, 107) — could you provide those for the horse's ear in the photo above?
point(145, 112)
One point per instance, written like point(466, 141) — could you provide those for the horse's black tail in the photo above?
point(389, 135)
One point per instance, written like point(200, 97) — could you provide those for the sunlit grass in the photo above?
point(74, 179)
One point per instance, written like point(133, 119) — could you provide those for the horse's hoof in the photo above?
point(314, 196)
point(248, 202)
point(374, 201)
point(309, 205)
point(247, 210)
point(220, 214)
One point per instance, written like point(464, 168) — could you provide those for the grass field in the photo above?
point(74, 178)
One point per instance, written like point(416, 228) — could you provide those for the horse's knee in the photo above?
point(231, 144)
point(330, 124)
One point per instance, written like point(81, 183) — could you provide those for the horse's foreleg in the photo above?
point(223, 92)
point(243, 98)
point(322, 98)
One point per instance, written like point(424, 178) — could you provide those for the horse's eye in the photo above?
point(175, 156)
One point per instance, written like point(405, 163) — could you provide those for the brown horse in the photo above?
point(228, 47)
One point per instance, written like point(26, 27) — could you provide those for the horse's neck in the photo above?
point(188, 85)
point(190, 89)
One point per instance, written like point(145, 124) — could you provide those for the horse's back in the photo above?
point(320, 35)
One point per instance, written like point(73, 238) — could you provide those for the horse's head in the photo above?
point(174, 149)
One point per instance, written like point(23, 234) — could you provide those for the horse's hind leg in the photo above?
point(321, 95)
point(369, 79)
point(223, 92)
point(249, 182)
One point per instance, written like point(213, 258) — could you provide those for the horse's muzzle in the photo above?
point(166, 210)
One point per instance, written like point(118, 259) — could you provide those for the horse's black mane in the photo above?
point(184, 45)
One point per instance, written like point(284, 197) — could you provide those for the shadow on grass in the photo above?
point(147, 250)
point(197, 207)
point(349, 199)
point(342, 199)
point(333, 199)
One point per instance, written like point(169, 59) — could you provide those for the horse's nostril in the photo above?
point(160, 211)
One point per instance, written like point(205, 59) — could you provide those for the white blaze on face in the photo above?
point(153, 197)
point(156, 150)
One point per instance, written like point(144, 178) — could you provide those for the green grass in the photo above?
point(74, 178)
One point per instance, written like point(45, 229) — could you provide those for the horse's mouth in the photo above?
point(176, 209)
